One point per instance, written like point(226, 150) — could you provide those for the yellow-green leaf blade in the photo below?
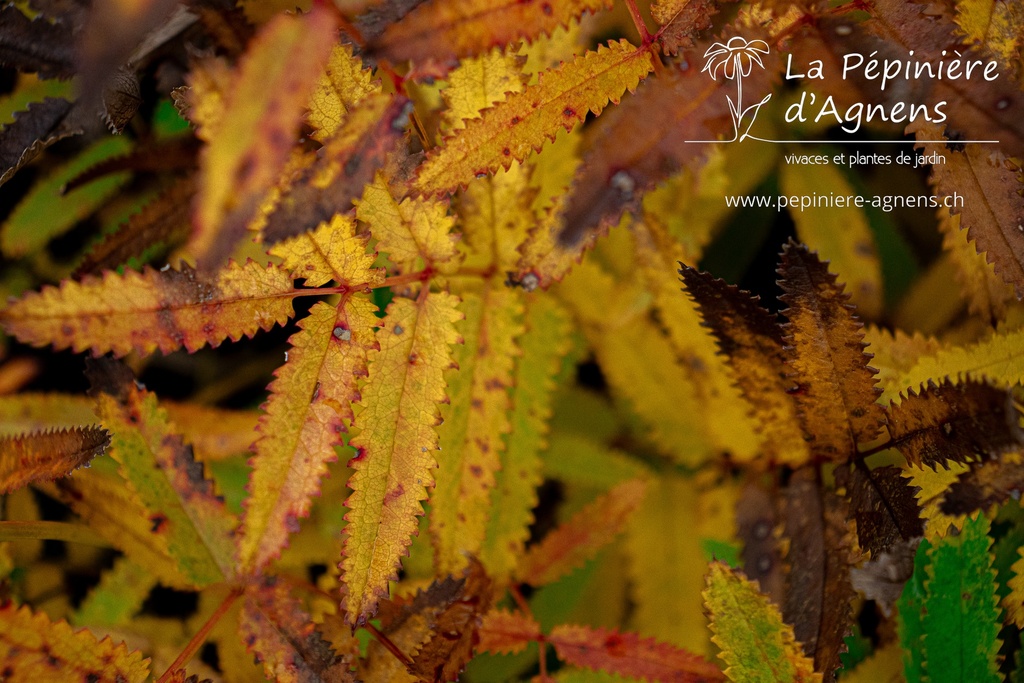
point(475, 424)
point(310, 402)
point(514, 128)
point(543, 344)
point(157, 465)
point(395, 444)
point(755, 643)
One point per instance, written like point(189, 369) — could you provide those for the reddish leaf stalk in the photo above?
point(641, 27)
point(388, 645)
point(200, 636)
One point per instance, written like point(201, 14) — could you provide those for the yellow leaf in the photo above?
point(638, 361)
point(115, 512)
point(994, 24)
point(999, 358)
point(478, 83)
point(840, 236)
point(152, 310)
point(511, 130)
point(32, 648)
point(264, 108)
point(309, 404)
point(331, 252)
point(203, 102)
point(884, 665)
point(476, 422)
point(544, 342)
point(893, 354)
point(410, 229)
point(664, 550)
point(395, 444)
point(727, 414)
point(342, 86)
point(986, 293)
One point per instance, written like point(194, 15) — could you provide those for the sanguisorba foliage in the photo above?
point(520, 433)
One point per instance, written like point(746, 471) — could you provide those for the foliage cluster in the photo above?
point(523, 430)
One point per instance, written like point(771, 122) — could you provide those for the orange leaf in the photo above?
point(445, 30)
point(261, 115)
point(310, 398)
point(152, 310)
point(824, 347)
point(395, 444)
point(32, 648)
point(579, 539)
point(627, 654)
point(47, 455)
point(512, 129)
point(506, 633)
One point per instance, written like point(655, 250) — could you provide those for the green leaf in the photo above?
point(748, 628)
point(961, 614)
point(46, 212)
point(910, 607)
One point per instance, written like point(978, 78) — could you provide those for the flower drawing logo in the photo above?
point(735, 60)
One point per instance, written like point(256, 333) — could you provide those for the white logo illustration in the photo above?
point(735, 59)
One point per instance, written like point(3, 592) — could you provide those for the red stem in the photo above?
point(388, 645)
point(645, 36)
point(200, 637)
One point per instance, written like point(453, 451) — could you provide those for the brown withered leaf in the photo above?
point(278, 631)
point(36, 46)
point(47, 455)
point(681, 21)
point(164, 220)
point(450, 645)
point(110, 35)
point(977, 109)
point(835, 388)
point(756, 521)
point(883, 503)
point(678, 106)
point(349, 160)
point(962, 423)
point(437, 628)
point(882, 578)
point(32, 131)
point(752, 339)
point(981, 487)
point(375, 19)
point(819, 592)
point(993, 212)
